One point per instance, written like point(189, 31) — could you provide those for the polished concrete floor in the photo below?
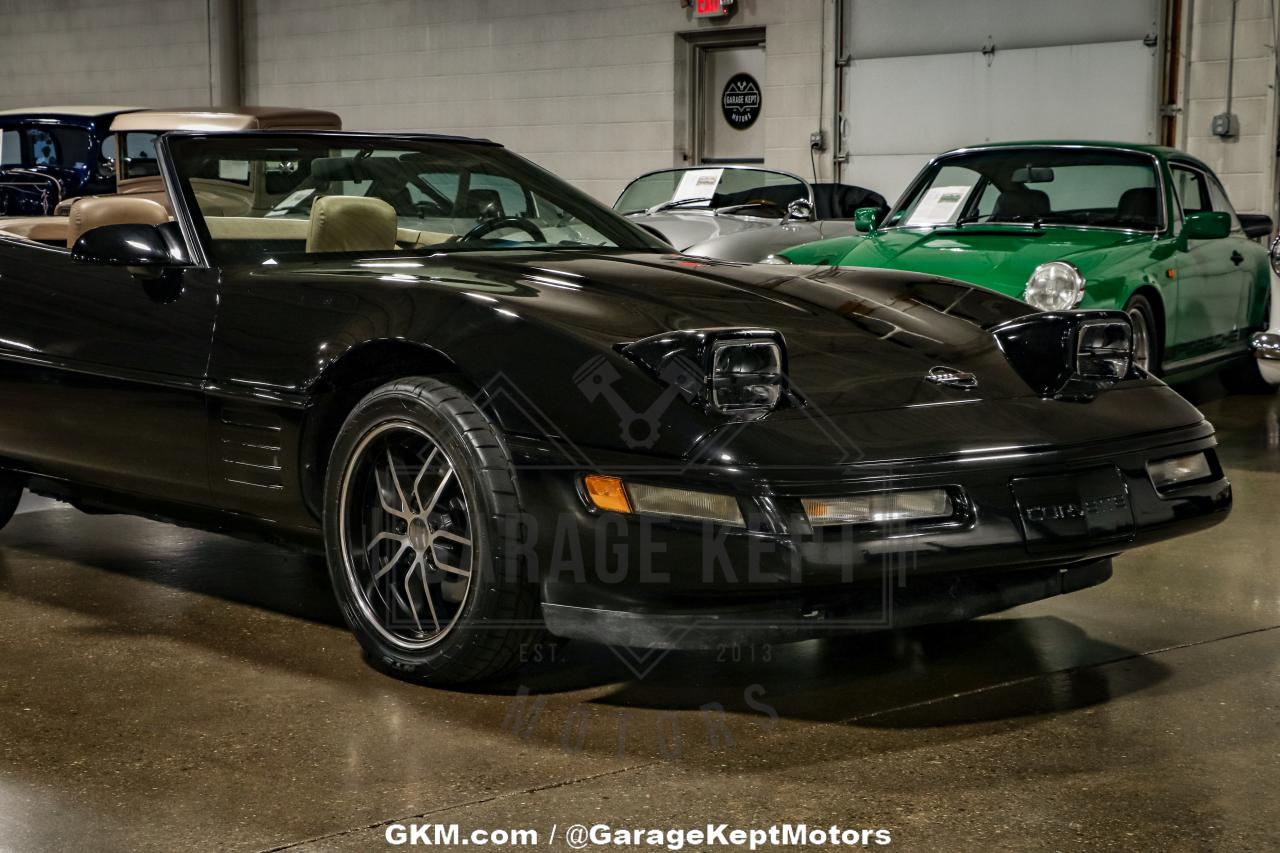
point(167, 690)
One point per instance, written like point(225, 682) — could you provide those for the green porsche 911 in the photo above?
point(1064, 225)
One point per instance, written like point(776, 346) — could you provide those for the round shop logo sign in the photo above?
point(741, 101)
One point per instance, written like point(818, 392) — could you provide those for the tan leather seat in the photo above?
point(39, 229)
point(95, 211)
point(342, 223)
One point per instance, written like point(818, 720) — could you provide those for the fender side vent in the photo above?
point(248, 450)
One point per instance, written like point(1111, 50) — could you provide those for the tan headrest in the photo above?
point(95, 211)
point(343, 223)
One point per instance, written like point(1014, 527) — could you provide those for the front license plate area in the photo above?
point(1064, 509)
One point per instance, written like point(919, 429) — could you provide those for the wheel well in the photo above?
point(1152, 295)
point(344, 384)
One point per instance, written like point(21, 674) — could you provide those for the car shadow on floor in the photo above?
point(993, 668)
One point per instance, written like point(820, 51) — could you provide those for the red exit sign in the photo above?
point(711, 8)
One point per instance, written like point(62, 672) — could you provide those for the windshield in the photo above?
point(260, 199)
point(749, 192)
point(45, 145)
point(1040, 186)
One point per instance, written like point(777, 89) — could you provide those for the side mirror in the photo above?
point(106, 168)
point(864, 220)
point(800, 209)
point(1207, 225)
point(142, 246)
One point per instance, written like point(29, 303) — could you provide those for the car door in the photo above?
point(101, 372)
point(1246, 255)
point(1209, 279)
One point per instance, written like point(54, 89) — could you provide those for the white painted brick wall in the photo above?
point(586, 90)
point(140, 52)
point(1246, 164)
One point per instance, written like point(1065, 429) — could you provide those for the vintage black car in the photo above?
point(498, 407)
point(49, 154)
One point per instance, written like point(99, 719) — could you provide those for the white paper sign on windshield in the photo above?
point(697, 183)
point(939, 205)
point(289, 202)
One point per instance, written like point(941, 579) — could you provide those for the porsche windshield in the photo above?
point(260, 198)
point(1083, 187)
point(747, 192)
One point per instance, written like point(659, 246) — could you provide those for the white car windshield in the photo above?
point(748, 192)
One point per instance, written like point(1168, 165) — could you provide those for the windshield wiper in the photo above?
point(681, 202)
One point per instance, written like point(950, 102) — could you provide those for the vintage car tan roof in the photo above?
point(79, 110)
point(227, 118)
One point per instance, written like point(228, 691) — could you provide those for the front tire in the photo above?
point(1147, 349)
point(421, 517)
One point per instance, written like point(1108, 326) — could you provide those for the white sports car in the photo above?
point(1266, 345)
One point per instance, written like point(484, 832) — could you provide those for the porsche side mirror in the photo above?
point(141, 246)
point(1207, 225)
point(801, 209)
point(864, 220)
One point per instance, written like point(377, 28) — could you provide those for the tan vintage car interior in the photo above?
point(85, 213)
point(96, 211)
point(349, 224)
point(337, 224)
point(301, 230)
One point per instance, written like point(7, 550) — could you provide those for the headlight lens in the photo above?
point(1104, 350)
point(879, 507)
point(612, 495)
point(1055, 286)
point(741, 373)
point(746, 377)
point(1168, 473)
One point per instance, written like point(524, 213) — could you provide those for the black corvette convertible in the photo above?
point(500, 408)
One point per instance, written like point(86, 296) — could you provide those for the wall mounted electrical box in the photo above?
point(1225, 125)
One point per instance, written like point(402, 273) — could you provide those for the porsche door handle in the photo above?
point(1237, 258)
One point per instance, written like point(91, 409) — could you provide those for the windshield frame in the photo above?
point(925, 177)
point(737, 166)
point(196, 233)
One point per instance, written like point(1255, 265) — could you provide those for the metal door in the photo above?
point(1001, 70)
point(731, 107)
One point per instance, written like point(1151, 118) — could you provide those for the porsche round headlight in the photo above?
point(1275, 255)
point(1055, 286)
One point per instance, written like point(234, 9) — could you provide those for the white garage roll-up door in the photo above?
point(926, 76)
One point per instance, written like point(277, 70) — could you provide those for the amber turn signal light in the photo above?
point(607, 493)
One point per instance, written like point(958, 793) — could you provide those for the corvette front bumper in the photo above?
point(655, 582)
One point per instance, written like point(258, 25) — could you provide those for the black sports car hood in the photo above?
point(542, 335)
point(856, 339)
